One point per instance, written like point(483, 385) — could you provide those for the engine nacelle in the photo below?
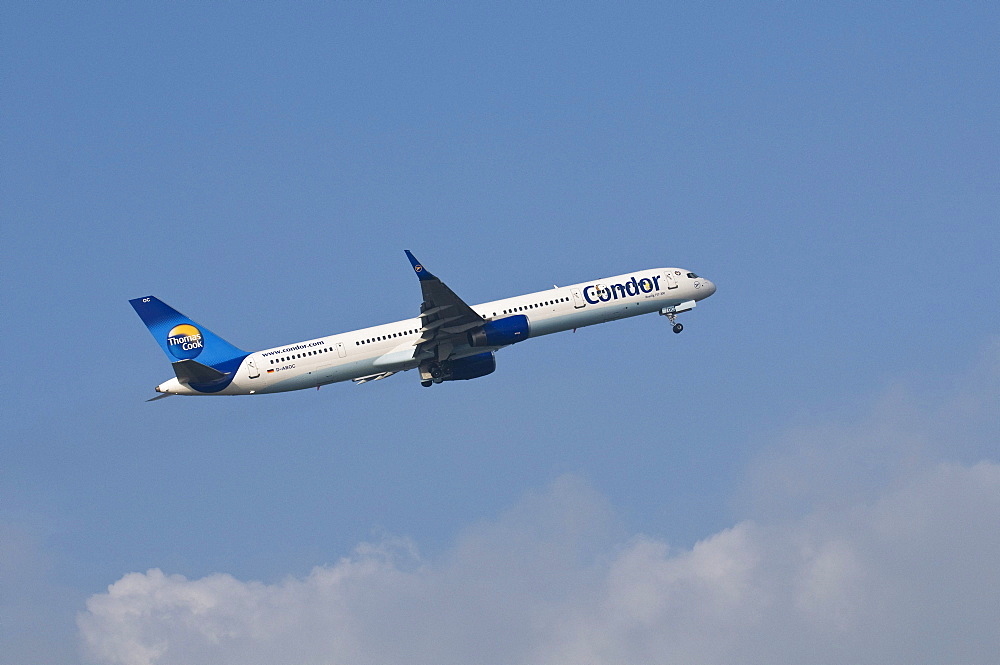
point(500, 332)
point(471, 367)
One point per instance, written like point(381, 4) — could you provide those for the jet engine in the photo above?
point(471, 367)
point(500, 332)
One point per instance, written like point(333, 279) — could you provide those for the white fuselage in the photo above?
point(388, 348)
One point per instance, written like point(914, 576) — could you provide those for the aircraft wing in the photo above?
point(445, 318)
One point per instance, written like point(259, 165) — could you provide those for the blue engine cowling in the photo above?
point(500, 332)
point(472, 367)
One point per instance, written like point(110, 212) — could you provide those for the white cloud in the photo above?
point(909, 578)
point(895, 567)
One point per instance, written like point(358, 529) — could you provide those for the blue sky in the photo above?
point(832, 168)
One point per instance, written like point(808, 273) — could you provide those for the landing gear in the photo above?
point(672, 315)
point(671, 312)
point(431, 373)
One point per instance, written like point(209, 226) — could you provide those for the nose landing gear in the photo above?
point(672, 311)
point(671, 314)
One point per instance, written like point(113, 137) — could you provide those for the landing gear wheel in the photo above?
point(678, 327)
point(426, 384)
point(436, 371)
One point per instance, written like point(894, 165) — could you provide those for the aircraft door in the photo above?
point(341, 349)
point(578, 301)
point(671, 279)
point(252, 368)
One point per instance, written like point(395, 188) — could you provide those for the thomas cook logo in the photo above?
point(185, 341)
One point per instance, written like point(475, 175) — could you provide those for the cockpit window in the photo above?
point(692, 275)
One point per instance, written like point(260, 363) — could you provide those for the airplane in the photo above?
point(449, 341)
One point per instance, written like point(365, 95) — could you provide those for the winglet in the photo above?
point(422, 272)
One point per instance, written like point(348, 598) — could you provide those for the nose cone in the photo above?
point(707, 288)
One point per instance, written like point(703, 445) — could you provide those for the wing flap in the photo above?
point(437, 323)
point(465, 327)
point(435, 310)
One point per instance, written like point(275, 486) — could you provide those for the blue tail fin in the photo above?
point(183, 339)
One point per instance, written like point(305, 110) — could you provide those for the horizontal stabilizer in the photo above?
point(192, 371)
point(372, 377)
